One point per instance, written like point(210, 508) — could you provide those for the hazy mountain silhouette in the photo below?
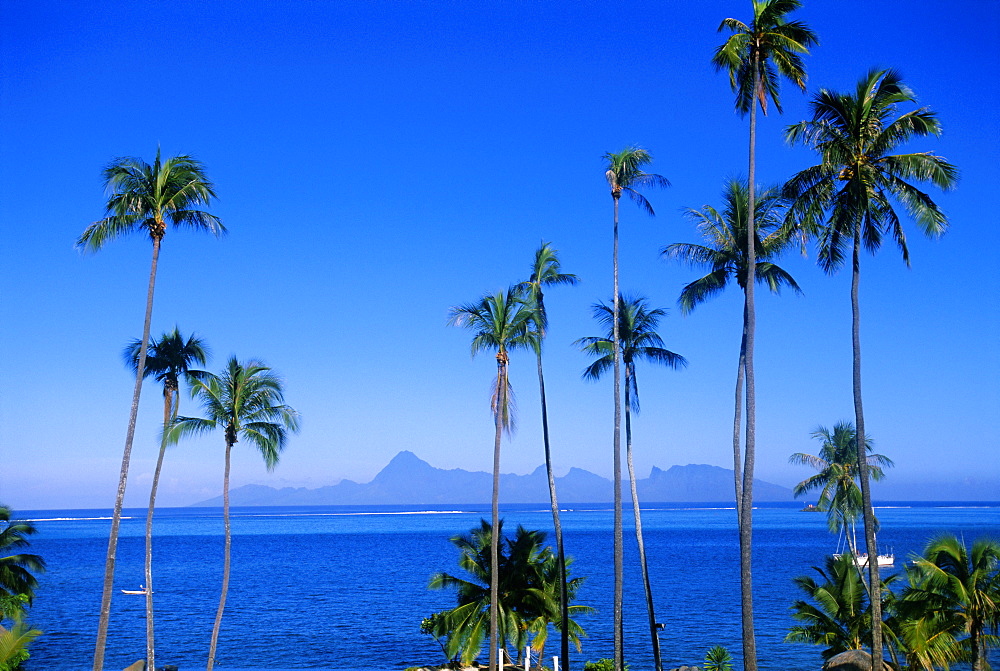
point(409, 480)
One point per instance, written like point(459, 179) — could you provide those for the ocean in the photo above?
point(345, 588)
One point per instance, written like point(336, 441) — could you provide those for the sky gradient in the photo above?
point(380, 162)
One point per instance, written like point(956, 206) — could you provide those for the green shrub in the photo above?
point(602, 665)
point(718, 659)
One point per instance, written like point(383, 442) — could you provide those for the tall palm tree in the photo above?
point(167, 360)
point(965, 586)
point(245, 401)
point(727, 255)
point(625, 172)
point(500, 322)
point(144, 198)
point(837, 474)
point(755, 56)
point(638, 341)
point(16, 577)
point(847, 199)
point(545, 272)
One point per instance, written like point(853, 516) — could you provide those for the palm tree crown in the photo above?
point(546, 271)
point(755, 55)
point(858, 178)
point(246, 401)
point(726, 250)
point(837, 472)
point(500, 323)
point(637, 324)
point(145, 197)
point(168, 358)
point(16, 569)
point(625, 174)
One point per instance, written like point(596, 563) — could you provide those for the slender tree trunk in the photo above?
point(225, 562)
point(168, 404)
point(654, 637)
point(557, 524)
point(737, 417)
point(619, 661)
point(746, 505)
point(495, 661)
point(874, 581)
point(109, 565)
point(977, 649)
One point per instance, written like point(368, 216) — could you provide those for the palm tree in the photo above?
point(545, 272)
point(638, 341)
point(144, 198)
point(625, 174)
point(500, 322)
point(837, 474)
point(16, 576)
point(167, 360)
point(528, 595)
point(246, 401)
point(839, 616)
point(847, 199)
point(961, 585)
point(756, 56)
point(727, 254)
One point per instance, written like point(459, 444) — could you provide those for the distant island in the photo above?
point(409, 480)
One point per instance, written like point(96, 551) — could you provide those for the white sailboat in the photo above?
point(860, 559)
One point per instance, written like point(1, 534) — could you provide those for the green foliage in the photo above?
point(529, 592)
point(837, 614)
point(837, 466)
point(638, 339)
point(726, 251)
point(16, 570)
point(718, 659)
point(146, 197)
point(848, 197)
point(602, 665)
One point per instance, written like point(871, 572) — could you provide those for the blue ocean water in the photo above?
point(345, 588)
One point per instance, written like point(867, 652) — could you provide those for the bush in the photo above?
point(602, 665)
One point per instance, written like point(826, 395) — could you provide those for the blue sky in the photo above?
point(379, 162)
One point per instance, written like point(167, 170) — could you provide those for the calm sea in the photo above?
point(345, 588)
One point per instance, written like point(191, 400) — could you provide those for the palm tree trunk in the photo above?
point(495, 519)
point(116, 517)
point(746, 505)
point(737, 417)
point(168, 403)
point(654, 637)
point(557, 524)
point(619, 661)
point(874, 581)
point(225, 562)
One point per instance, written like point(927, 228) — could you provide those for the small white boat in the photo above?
point(141, 590)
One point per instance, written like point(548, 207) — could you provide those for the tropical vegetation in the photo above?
point(546, 271)
point(756, 56)
point(638, 341)
point(847, 201)
point(168, 359)
point(144, 198)
point(17, 588)
point(245, 401)
point(528, 598)
point(500, 322)
point(625, 173)
point(946, 613)
point(836, 476)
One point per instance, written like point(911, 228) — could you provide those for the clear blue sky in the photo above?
point(379, 162)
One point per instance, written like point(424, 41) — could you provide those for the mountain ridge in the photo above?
point(409, 480)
